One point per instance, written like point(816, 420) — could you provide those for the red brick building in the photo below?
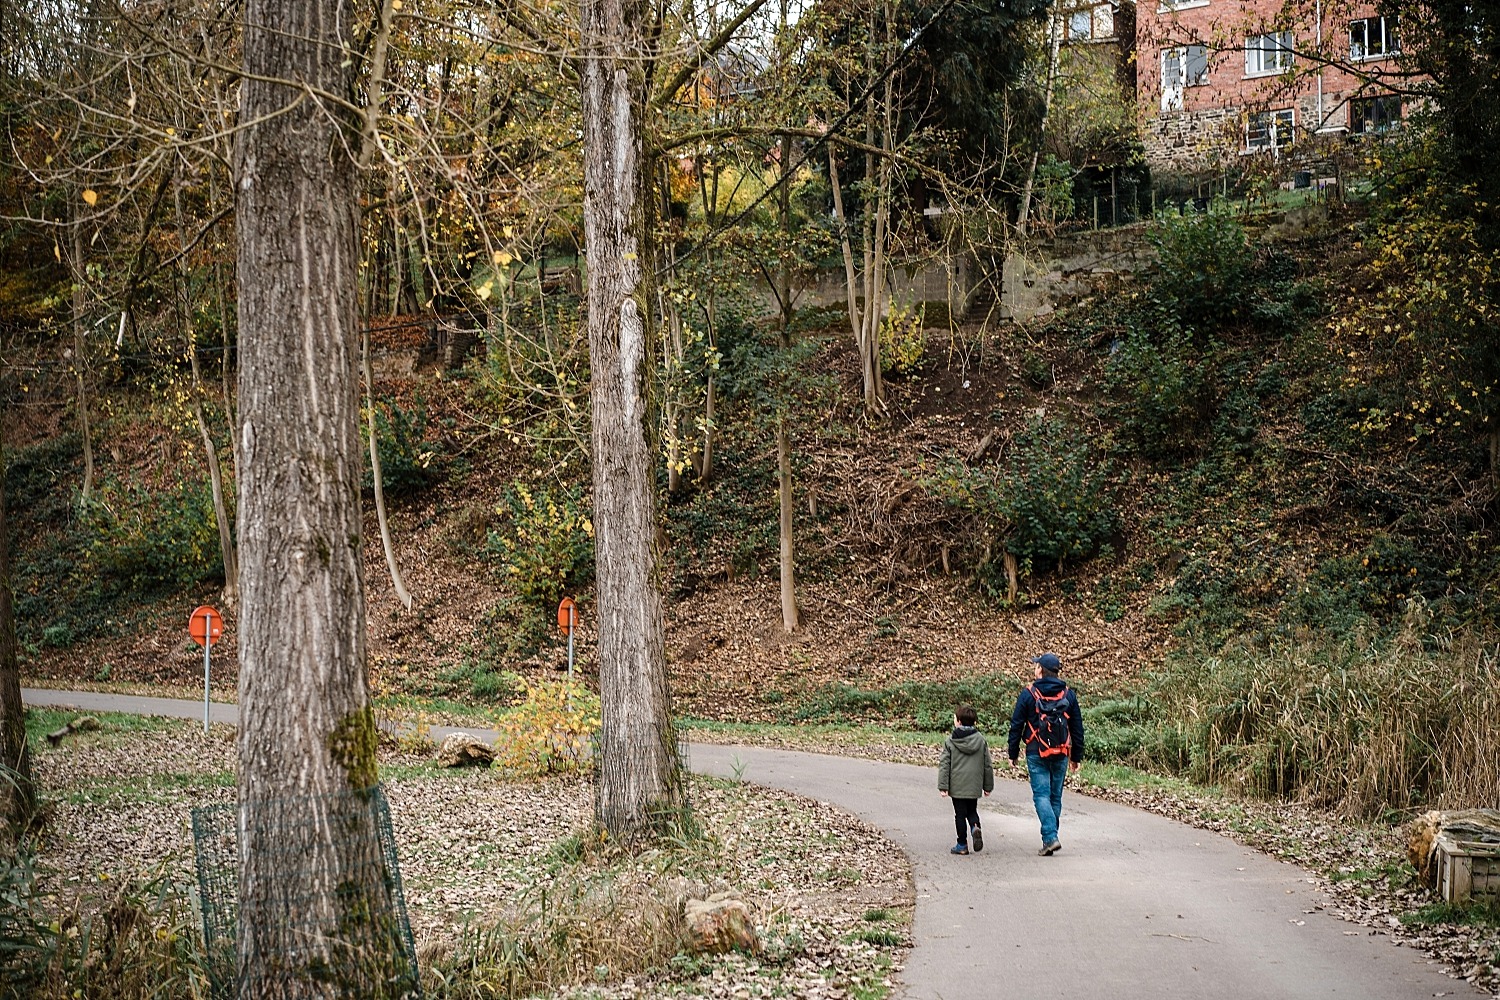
point(1221, 79)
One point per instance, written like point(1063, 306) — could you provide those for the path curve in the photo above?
point(1135, 907)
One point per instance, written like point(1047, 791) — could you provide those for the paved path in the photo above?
point(1135, 907)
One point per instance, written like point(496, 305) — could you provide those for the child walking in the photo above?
point(964, 771)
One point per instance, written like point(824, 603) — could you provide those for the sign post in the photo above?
point(567, 620)
point(205, 626)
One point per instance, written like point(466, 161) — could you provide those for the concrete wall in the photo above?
point(942, 280)
point(1036, 282)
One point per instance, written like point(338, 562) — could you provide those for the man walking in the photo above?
point(1047, 717)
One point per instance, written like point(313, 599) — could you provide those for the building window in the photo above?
point(1270, 130)
point(1373, 38)
point(1268, 54)
point(1167, 6)
point(1374, 114)
point(1184, 66)
point(1097, 22)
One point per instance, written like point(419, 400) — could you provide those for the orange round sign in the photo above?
point(567, 615)
point(205, 625)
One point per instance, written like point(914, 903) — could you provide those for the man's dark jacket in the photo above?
point(1025, 713)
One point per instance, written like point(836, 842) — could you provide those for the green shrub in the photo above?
point(1206, 266)
point(1050, 503)
point(1057, 495)
point(408, 461)
point(901, 341)
point(1160, 391)
point(545, 541)
point(1054, 188)
point(1370, 584)
point(141, 541)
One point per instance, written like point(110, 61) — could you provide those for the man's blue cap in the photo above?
point(1048, 662)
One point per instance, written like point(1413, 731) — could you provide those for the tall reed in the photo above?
point(1341, 722)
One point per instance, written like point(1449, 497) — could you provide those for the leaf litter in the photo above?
point(474, 846)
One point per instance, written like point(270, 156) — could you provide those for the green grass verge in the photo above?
point(41, 721)
point(1476, 914)
point(857, 733)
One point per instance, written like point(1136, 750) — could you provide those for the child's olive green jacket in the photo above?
point(965, 770)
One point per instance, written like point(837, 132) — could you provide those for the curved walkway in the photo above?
point(1135, 907)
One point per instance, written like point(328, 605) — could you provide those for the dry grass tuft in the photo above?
point(1411, 724)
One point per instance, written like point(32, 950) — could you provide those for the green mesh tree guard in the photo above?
point(360, 946)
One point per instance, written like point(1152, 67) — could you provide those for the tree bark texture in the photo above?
point(17, 793)
point(314, 915)
point(638, 768)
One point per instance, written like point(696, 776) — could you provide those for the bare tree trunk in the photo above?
point(216, 484)
point(17, 792)
point(851, 286)
point(369, 143)
point(1054, 18)
point(1495, 458)
point(210, 449)
point(387, 545)
point(674, 349)
point(314, 902)
point(790, 619)
point(711, 315)
point(79, 328)
point(638, 767)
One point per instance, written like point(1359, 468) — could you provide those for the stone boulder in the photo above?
point(463, 750)
point(718, 924)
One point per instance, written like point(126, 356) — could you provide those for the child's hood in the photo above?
point(967, 739)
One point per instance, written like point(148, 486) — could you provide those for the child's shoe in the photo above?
point(977, 837)
point(959, 849)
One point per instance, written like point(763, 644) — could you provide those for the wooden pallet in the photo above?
point(1467, 869)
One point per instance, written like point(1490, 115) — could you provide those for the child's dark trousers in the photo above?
point(965, 815)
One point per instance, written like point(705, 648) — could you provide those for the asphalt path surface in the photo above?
point(1134, 906)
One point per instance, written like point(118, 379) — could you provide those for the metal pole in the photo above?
point(572, 627)
point(208, 639)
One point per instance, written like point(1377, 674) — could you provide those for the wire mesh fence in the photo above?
point(329, 909)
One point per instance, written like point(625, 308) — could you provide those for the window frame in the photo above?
point(1393, 119)
point(1283, 49)
point(1390, 38)
point(1273, 130)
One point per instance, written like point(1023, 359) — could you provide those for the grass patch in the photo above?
point(880, 937)
point(113, 725)
point(1130, 778)
point(857, 733)
point(1485, 913)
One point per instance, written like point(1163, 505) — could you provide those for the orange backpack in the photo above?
point(1049, 722)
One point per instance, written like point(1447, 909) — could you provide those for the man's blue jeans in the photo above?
point(1047, 774)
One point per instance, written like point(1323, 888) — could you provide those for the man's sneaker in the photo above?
point(959, 849)
point(977, 836)
point(1050, 849)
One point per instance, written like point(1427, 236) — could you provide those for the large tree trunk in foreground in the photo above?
point(638, 780)
point(17, 794)
point(314, 918)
